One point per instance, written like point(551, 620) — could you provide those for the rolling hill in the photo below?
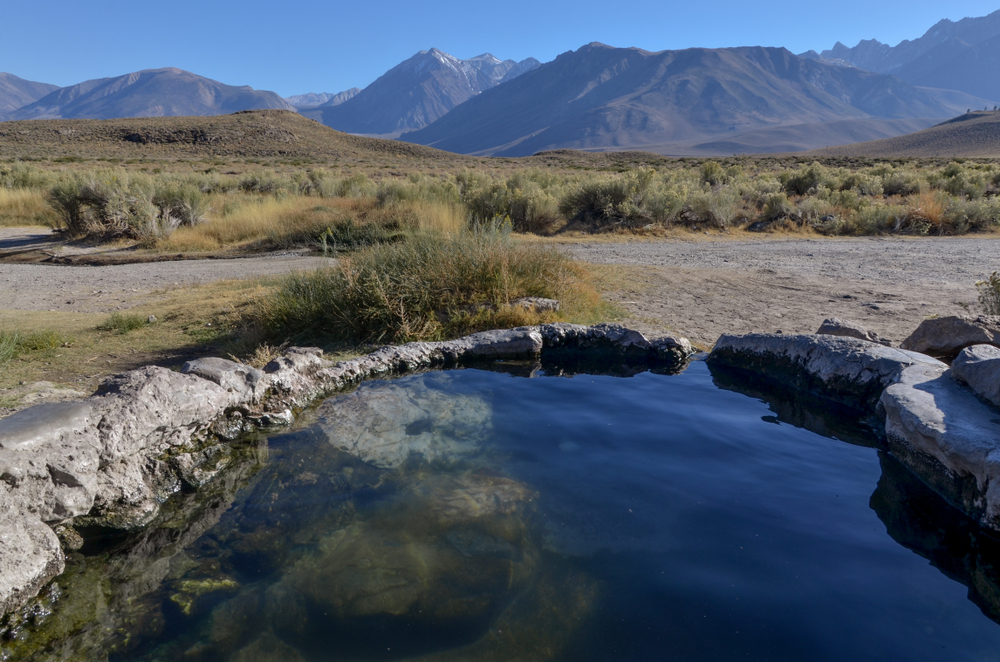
point(418, 91)
point(16, 92)
point(600, 97)
point(150, 93)
point(974, 134)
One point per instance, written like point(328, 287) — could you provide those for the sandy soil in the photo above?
point(699, 289)
point(702, 289)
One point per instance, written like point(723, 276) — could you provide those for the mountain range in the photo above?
point(959, 55)
point(417, 92)
point(150, 93)
point(599, 97)
point(696, 101)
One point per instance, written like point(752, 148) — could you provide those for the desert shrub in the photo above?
point(184, 202)
point(720, 208)
point(864, 183)
point(22, 176)
point(519, 198)
point(989, 294)
point(428, 287)
point(616, 200)
point(713, 174)
point(901, 183)
point(776, 205)
point(801, 182)
point(962, 215)
point(268, 183)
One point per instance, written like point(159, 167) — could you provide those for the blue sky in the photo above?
point(313, 46)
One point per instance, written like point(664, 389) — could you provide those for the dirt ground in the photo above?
point(702, 289)
point(697, 288)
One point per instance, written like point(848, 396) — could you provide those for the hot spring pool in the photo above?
point(482, 515)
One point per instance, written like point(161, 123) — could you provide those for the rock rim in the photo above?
point(944, 432)
point(112, 459)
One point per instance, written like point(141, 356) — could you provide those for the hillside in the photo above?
point(959, 55)
point(418, 91)
point(797, 137)
point(600, 97)
point(974, 134)
point(259, 133)
point(150, 93)
point(16, 92)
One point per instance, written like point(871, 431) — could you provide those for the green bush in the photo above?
point(122, 323)
point(429, 287)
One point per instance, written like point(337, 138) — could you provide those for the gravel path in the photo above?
point(105, 289)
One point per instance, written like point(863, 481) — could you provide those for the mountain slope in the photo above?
point(418, 91)
point(603, 97)
point(314, 99)
point(971, 135)
point(959, 55)
point(151, 93)
point(16, 92)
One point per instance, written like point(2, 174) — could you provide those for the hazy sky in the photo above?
point(313, 46)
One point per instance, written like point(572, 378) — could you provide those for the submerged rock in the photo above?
point(945, 337)
point(385, 424)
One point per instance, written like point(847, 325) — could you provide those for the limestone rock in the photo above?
point(845, 370)
point(538, 304)
point(978, 367)
point(30, 556)
point(947, 336)
point(385, 424)
point(245, 381)
point(948, 437)
point(834, 326)
point(616, 338)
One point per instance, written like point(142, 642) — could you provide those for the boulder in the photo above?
point(978, 367)
point(30, 556)
point(834, 326)
point(246, 382)
point(948, 437)
point(945, 337)
point(847, 371)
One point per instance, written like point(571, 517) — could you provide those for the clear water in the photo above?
point(653, 517)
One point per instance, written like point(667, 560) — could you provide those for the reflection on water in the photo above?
point(474, 515)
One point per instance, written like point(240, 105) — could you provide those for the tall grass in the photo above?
point(432, 286)
point(13, 343)
point(23, 207)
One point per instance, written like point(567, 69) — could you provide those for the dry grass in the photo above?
point(23, 207)
point(192, 321)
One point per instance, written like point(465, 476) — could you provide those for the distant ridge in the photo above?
point(974, 134)
point(418, 91)
point(314, 99)
point(150, 93)
point(16, 92)
point(958, 55)
point(600, 97)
